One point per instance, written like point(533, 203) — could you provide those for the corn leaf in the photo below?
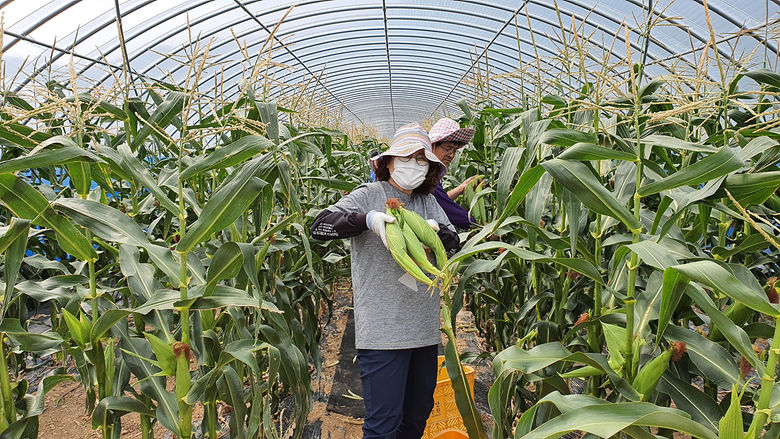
point(709, 168)
point(578, 178)
point(678, 144)
point(225, 264)
point(464, 398)
point(225, 156)
point(674, 284)
point(750, 189)
point(590, 151)
point(691, 400)
point(14, 244)
point(162, 117)
point(111, 406)
point(113, 225)
point(710, 358)
point(167, 412)
point(735, 335)
point(227, 203)
point(140, 174)
point(53, 151)
point(25, 202)
point(714, 276)
point(567, 137)
point(509, 168)
point(606, 420)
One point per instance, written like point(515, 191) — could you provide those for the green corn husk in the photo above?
point(472, 190)
point(415, 249)
point(396, 243)
point(468, 193)
point(481, 213)
point(425, 233)
point(738, 313)
point(647, 378)
point(730, 425)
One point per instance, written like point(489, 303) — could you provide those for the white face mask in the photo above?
point(408, 175)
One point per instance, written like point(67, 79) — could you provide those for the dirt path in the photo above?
point(326, 423)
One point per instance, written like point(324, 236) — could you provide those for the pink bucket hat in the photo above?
point(408, 140)
point(447, 130)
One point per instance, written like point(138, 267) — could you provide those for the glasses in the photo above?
point(449, 149)
point(421, 160)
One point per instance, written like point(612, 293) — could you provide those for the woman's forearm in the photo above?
point(338, 225)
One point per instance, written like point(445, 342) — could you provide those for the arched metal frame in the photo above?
point(436, 40)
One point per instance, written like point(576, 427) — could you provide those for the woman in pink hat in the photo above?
point(396, 318)
point(447, 137)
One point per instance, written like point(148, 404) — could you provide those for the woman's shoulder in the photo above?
point(369, 187)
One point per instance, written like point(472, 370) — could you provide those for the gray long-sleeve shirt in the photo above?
point(388, 313)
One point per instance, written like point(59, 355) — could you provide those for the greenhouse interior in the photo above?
point(389, 219)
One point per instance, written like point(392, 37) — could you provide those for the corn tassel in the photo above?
point(647, 378)
point(397, 246)
point(416, 250)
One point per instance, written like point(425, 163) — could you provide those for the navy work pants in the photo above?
point(398, 390)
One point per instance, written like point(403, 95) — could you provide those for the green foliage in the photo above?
point(672, 278)
point(191, 251)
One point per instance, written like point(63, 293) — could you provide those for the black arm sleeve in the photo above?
point(338, 225)
point(449, 238)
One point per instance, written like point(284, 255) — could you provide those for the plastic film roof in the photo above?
point(378, 62)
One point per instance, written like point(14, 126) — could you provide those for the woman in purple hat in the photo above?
point(396, 318)
point(447, 137)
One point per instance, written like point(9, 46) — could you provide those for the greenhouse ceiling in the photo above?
point(381, 63)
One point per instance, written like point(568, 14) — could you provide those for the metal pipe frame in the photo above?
point(276, 38)
point(302, 17)
point(466, 25)
point(61, 52)
point(717, 11)
point(72, 46)
point(389, 65)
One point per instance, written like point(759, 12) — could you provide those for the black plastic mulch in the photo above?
point(347, 376)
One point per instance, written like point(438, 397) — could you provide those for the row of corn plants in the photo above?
point(624, 275)
point(166, 234)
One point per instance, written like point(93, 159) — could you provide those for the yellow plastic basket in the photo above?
point(445, 421)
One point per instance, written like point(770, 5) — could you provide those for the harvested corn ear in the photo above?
point(396, 243)
point(421, 229)
point(416, 250)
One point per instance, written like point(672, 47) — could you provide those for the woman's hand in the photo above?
point(375, 221)
point(458, 190)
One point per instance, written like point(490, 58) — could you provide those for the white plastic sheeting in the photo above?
point(383, 63)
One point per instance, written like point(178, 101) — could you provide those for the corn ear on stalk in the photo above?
point(479, 207)
point(472, 190)
point(396, 243)
point(480, 214)
point(416, 250)
point(468, 193)
point(647, 378)
point(738, 313)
